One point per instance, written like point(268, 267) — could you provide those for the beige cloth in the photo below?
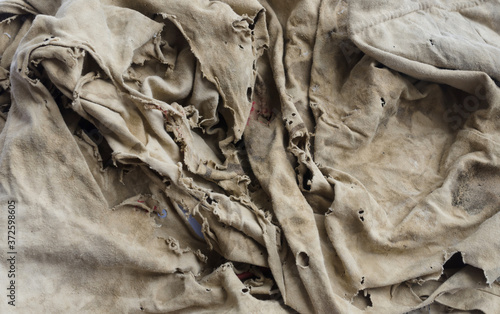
point(251, 156)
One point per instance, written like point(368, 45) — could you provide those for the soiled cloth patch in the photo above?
point(251, 156)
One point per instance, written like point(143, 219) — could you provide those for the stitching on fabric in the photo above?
point(421, 7)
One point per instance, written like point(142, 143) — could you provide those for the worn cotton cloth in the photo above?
point(251, 156)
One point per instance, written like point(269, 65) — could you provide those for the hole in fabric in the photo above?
point(362, 218)
point(361, 212)
point(368, 297)
point(303, 259)
point(306, 180)
point(142, 309)
point(362, 280)
point(362, 300)
point(241, 47)
point(294, 114)
point(382, 101)
point(431, 41)
point(249, 94)
point(455, 261)
point(245, 290)
point(211, 200)
point(208, 289)
point(290, 122)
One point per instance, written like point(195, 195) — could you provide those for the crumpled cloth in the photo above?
point(251, 156)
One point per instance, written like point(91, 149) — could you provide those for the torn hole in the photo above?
point(303, 259)
point(362, 280)
point(362, 300)
point(241, 47)
point(432, 42)
point(455, 261)
point(249, 94)
point(307, 180)
point(382, 101)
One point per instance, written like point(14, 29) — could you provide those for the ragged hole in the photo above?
point(455, 261)
point(362, 280)
point(249, 94)
point(382, 101)
point(303, 259)
point(307, 180)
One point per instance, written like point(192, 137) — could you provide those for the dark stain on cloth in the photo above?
point(476, 188)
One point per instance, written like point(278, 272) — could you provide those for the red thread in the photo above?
point(245, 275)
